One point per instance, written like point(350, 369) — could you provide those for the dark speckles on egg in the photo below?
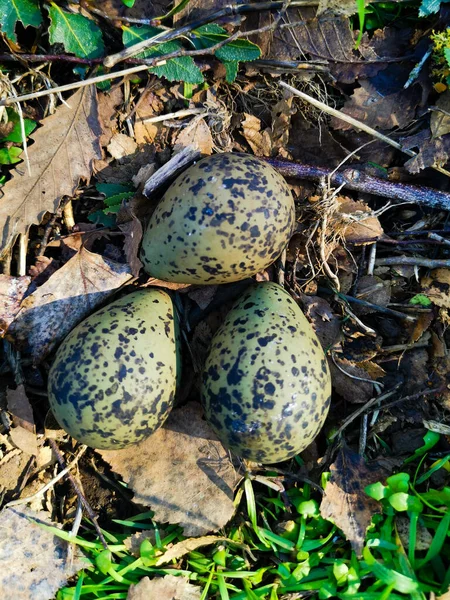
point(264, 335)
point(94, 391)
point(229, 206)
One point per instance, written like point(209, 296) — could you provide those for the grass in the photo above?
point(278, 544)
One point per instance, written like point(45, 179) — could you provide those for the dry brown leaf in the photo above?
point(12, 291)
point(259, 142)
point(373, 370)
point(133, 543)
point(281, 123)
point(63, 152)
point(203, 295)
point(355, 222)
point(345, 377)
point(423, 537)
point(339, 7)
point(34, 563)
point(133, 236)
point(107, 113)
point(23, 434)
point(433, 152)
point(121, 145)
point(186, 546)
point(344, 502)
point(72, 293)
point(198, 132)
point(164, 588)
point(153, 282)
point(325, 323)
point(182, 472)
point(436, 286)
point(378, 110)
point(12, 468)
point(440, 119)
point(150, 106)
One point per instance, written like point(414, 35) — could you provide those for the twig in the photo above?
point(79, 493)
point(361, 182)
point(358, 124)
point(415, 261)
point(180, 160)
point(51, 483)
point(364, 408)
point(376, 307)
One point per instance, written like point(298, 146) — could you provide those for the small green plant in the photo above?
point(279, 544)
point(115, 194)
point(441, 59)
point(9, 153)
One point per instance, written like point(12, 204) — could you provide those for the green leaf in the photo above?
point(447, 55)
point(182, 68)
point(25, 11)
point(238, 50)
point(377, 491)
point(16, 134)
point(231, 70)
point(79, 35)
point(10, 156)
point(175, 10)
point(420, 299)
point(100, 218)
point(129, 3)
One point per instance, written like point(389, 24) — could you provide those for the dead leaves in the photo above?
point(34, 563)
point(12, 290)
point(182, 472)
point(164, 588)
point(345, 503)
point(62, 154)
point(70, 294)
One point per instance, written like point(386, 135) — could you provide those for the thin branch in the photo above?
point(415, 261)
point(359, 181)
point(354, 122)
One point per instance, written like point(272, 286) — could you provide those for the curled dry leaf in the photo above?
point(121, 145)
point(34, 563)
point(259, 141)
point(325, 323)
point(12, 291)
point(186, 546)
point(344, 502)
point(346, 379)
point(198, 131)
point(355, 222)
point(69, 295)
point(63, 152)
point(182, 472)
point(164, 588)
point(436, 286)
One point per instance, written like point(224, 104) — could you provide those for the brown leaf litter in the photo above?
point(168, 587)
point(345, 503)
point(62, 154)
point(34, 563)
point(68, 296)
point(182, 472)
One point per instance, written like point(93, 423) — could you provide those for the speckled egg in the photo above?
point(224, 219)
point(113, 380)
point(266, 384)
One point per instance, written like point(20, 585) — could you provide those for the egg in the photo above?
point(113, 379)
point(222, 220)
point(266, 385)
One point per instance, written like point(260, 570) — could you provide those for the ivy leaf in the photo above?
point(238, 50)
point(16, 134)
point(182, 68)
point(25, 11)
point(79, 35)
point(231, 70)
point(10, 156)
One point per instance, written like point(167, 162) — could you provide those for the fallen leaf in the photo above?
point(258, 141)
point(281, 124)
point(436, 286)
point(339, 7)
point(12, 291)
point(23, 434)
point(379, 110)
point(344, 501)
point(197, 131)
point(121, 145)
point(164, 588)
point(374, 290)
point(203, 295)
point(186, 546)
point(373, 370)
point(72, 293)
point(433, 152)
point(345, 377)
point(422, 537)
point(182, 472)
point(133, 236)
point(12, 468)
point(149, 106)
point(440, 117)
point(355, 222)
point(34, 563)
point(107, 113)
point(144, 173)
point(63, 152)
point(325, 323)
